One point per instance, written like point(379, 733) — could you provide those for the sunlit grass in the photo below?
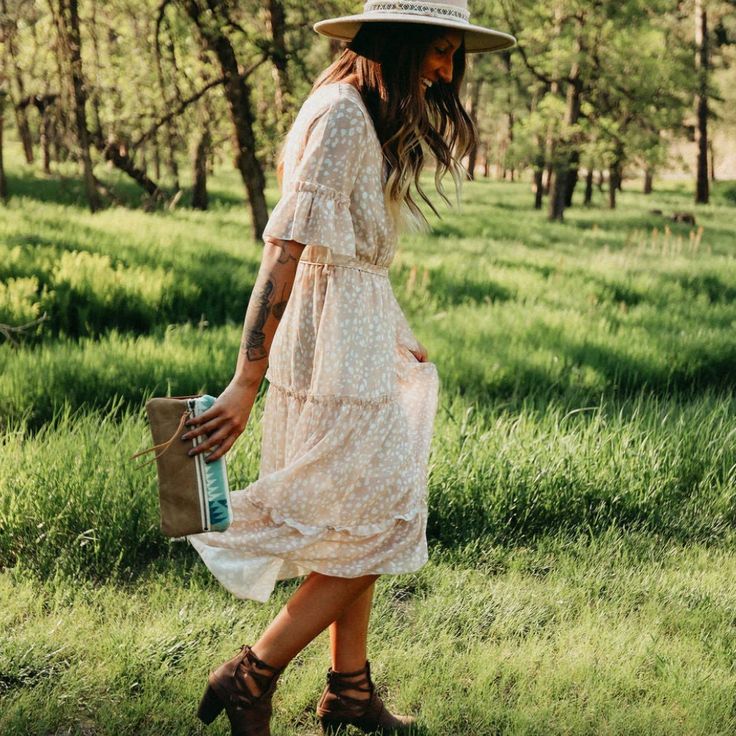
point(582, 480)
point(614, 634)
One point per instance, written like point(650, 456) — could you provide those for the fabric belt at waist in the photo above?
point(321, 254)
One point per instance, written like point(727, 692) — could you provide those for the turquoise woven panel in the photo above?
point(216, 483)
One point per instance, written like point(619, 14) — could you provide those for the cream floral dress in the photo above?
point(349, 411)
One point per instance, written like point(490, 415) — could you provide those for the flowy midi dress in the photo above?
point(349, 411)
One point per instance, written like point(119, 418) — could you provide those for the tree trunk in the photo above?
point(601, 180)
point(60, 152)
point(117, 154)
point(279, 59)
point(554, 89)
point(199, 164)
point(712, 151)
point(648, 180)
point(612, 190)
point(238, 95)
point(9, 33)
point(549, 146)
point(511, 122)
point(473, 87)
point(557, 191)
point(566, 154)
point(588, 200)
point(156, 157)
point(67, 20)
point(538, 160)
point(94, 98)
point(24, 132)
point(46, 141)
point(171, 163)
point(510, 117)
point(538, 186)
point(63, 128)
point(702, 65)
point(486, 161)
point(572, 177)
point(45, 105)
point(614, 181)
point(3, 181)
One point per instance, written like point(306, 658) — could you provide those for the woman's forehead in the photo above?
point(452, 36)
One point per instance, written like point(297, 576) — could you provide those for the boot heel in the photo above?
point(210, 706)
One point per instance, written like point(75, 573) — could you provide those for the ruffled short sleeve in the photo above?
point(321, 164)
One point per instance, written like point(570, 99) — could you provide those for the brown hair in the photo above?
point(386, 60)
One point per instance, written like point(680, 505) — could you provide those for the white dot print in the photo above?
point(349, 412)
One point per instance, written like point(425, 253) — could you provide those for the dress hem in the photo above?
point(356, 530)
point(263, 585)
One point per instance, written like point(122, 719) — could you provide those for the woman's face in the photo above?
point(437, 64)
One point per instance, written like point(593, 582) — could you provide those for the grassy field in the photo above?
point(582, 476)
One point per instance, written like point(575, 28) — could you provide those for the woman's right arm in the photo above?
point(266, 306)
point(226, 419)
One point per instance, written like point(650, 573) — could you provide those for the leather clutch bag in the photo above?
point(194, 496)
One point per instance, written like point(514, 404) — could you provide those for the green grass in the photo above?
point(613, 634)
point(582, 475)
point(71, 501)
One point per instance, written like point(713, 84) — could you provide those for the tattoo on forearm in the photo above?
point(279, 307)
point(254, 337)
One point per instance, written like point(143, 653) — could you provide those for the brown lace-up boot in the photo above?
point(336, 708)
point(249, 712)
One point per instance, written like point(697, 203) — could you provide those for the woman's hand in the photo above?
point(419, 352)
point(224, 421)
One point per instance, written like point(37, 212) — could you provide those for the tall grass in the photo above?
point(625, 635)
point(71, 501)
point(582, 479)
point(586, 368)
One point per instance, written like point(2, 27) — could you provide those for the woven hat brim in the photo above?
point(477, 38)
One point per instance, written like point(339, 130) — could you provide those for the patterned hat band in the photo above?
point(443, 11)
point(452, 14)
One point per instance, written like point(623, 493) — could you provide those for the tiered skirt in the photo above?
point(347, 428)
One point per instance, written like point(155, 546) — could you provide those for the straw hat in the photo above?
point(448, 13)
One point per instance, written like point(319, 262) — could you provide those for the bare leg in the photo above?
point(349, 633)
point(315, 604)
point(349, 638)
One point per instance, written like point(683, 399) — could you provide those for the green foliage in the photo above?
point(585, 370)
point(581, 483)
point(19, 301)
point(726, 191)
point(118, 270)
point(620, 634)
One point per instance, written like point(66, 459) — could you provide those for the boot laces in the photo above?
point(339, 682)
point(265, 682)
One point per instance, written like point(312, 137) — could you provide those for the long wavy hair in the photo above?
point(386, 60)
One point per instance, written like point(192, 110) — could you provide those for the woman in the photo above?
point(347, 423)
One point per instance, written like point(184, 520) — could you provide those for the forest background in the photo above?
point(580, 308)
point(593, 91)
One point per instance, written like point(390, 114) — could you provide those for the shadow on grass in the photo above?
point(213, 284)
point(66, 190)
point(472, 372)
point(445, 289)
point(623, 376)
